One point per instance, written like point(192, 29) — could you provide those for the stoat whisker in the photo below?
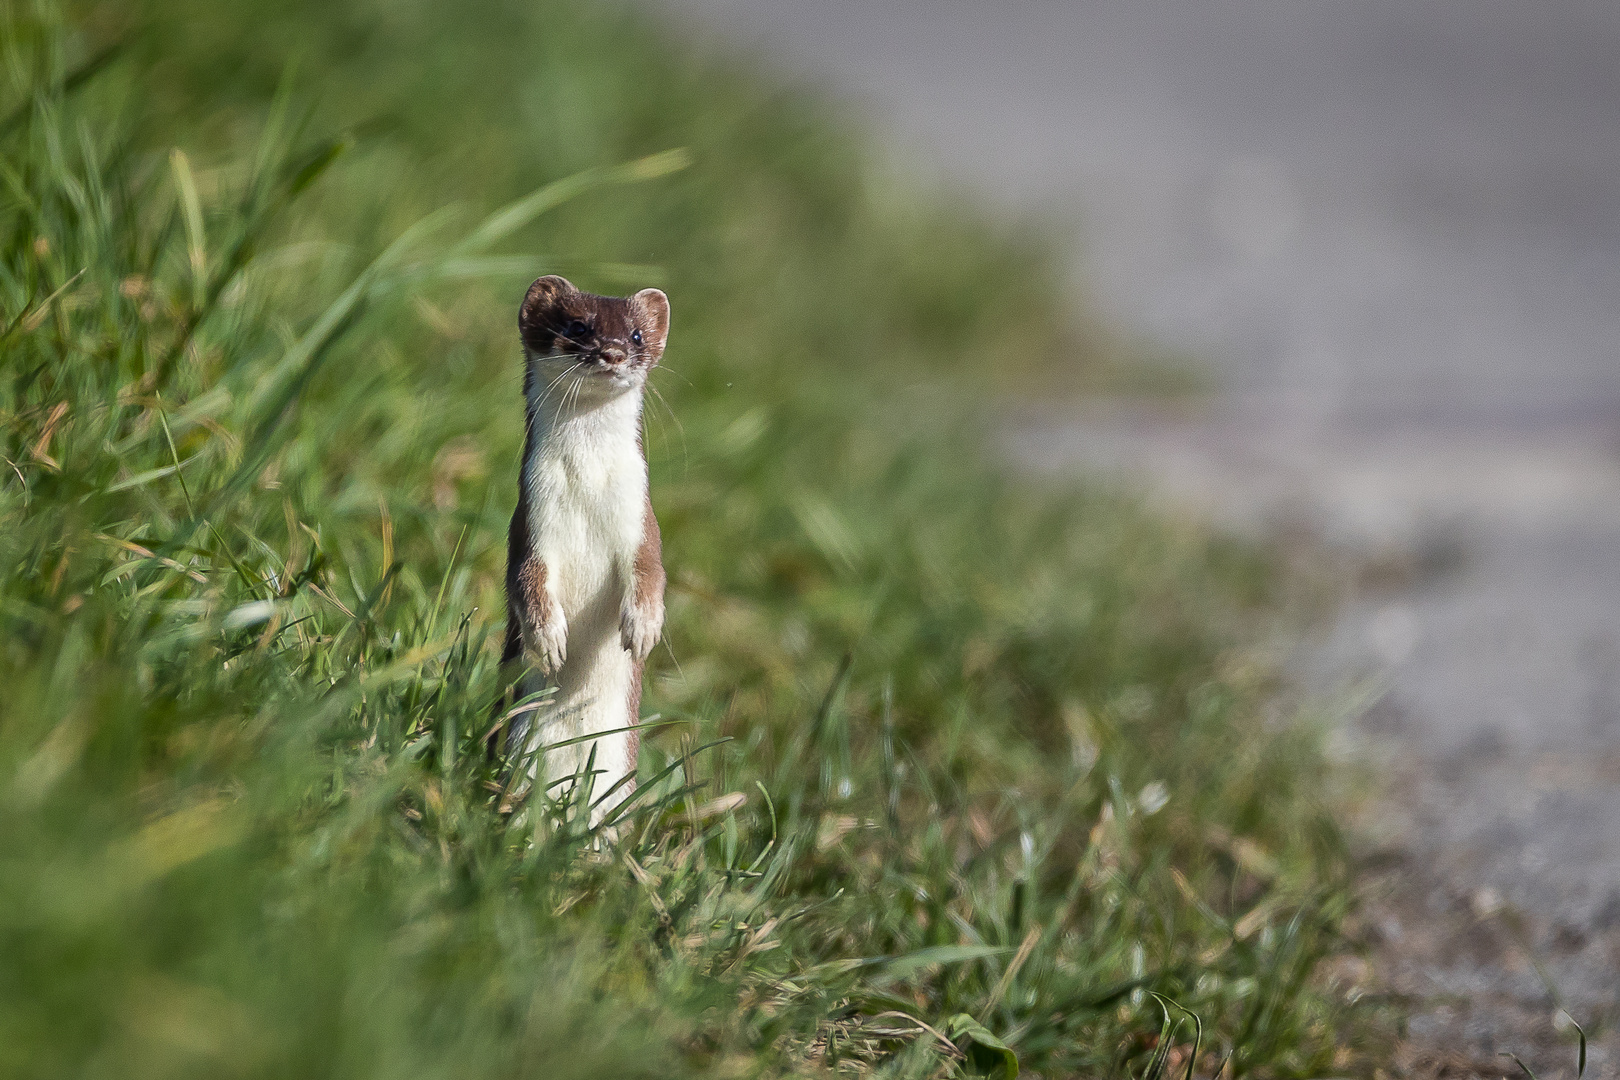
point(675, 372)
point(571, 397)
point(679, 427)
point(546, 395)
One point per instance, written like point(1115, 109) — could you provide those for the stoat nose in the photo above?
point(613, 355)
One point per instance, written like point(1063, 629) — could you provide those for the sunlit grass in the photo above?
point(955, 774)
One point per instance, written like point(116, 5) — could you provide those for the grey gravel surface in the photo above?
point(1390, 230)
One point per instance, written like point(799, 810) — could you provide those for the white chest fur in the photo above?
point(587, 488)
point(586, 485)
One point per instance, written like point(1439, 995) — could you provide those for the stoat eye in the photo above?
point(578, 330)
point(635, 336)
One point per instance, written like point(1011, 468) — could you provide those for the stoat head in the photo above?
point(585, 349)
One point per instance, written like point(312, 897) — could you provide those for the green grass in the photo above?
point(952, 764)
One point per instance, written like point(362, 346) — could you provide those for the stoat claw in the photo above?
point(639, 630)
point(547, 643)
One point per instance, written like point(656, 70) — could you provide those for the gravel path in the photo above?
point(1391, 230)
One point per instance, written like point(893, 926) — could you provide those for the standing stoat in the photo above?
point(584, 574)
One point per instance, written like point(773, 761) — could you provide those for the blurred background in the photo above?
point(1102, 448)
point(1382, 239)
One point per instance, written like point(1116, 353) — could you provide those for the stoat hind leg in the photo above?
point(536, 642)
point(641, 623)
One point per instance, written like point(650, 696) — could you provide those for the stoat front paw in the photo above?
point(547, 643)
point(639, 629)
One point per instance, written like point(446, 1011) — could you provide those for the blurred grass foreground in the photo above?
point(955, 778)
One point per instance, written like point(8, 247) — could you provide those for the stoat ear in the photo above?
point(653, 306)
point(539, 300)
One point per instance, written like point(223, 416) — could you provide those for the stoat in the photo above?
point(584, 570)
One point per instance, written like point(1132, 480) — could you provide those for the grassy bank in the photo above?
point(955, 772)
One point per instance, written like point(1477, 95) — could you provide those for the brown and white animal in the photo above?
point(584, 572)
